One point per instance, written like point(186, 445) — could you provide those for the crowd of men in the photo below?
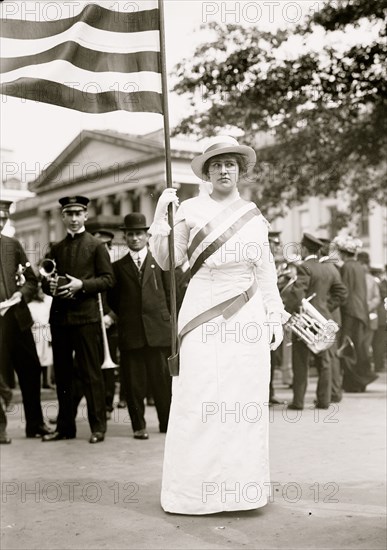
point(336, 278)
point(127, 304)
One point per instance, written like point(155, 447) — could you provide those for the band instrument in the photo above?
point(19, 276)
point(318, 333)
point(108, 362)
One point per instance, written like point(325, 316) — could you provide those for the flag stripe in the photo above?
point(98, 60)
point(49, 10)
point(67, 74)
point(90, 60)
point(58, 94)
point(96, 16)
point(86, 36)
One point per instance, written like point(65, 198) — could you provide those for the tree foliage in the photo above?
point(324, 109)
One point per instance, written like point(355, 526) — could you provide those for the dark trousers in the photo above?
point(300, 364)
point(138, 368)
point(356, 380)
point(17, 348)
point(337, 374)
point(5, 395)
point(379, 348)
point(85, 342)
point(275, 361)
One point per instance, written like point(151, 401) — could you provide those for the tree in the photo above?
point(323, 108)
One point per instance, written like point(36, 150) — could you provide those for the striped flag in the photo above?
point(91, 56)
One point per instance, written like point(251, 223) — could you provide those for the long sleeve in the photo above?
point(266, 274)
point(158, 243)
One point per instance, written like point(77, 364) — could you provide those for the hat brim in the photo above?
point(135, 228)
point(244, 150)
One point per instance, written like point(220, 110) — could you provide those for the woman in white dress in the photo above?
point(216, 450)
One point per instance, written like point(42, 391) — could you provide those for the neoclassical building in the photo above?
point(122, 173)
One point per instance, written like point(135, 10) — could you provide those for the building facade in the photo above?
point(122, 173)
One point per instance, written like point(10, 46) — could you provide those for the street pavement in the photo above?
point(327, 467)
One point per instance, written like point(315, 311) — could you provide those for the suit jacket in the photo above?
point(322, 279)
point(85, 257)
point(142, 307)
point(353, 277)
point(12, 254)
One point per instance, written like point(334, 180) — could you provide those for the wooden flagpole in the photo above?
point(173, 360)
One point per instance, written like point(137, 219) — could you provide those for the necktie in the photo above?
point(138, 262)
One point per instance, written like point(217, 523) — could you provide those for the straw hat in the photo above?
point(220, 146)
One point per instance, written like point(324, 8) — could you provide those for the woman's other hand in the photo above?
point(276, 331)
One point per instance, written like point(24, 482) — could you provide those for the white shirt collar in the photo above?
point(140, 253)
point(310, 257)
point(77, 232)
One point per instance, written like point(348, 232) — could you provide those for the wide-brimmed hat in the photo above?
point(347, 243)
point(134, 221)
point(220, 146)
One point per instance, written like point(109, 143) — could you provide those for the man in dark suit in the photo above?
point(313, 278)
point(17, 347)
point(355, 315)
point(329, 259)
point(84, 263)
point(140, 300)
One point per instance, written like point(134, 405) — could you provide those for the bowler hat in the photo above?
point(69, 202)
point(220, 146)
point(134, 221)
point(312, 243)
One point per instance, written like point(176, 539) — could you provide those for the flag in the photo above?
point(91, 56)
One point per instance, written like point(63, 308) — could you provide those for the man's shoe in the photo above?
point(96, 437)
point(41, 430)
point(275, 401)
point(4, 439)
point(121, 405)
point(293, 407)
point(140, 434)
point(57, 436)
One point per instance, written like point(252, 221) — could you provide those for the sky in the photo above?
point(36, 133)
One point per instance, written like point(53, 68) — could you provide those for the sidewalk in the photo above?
point(327, 467)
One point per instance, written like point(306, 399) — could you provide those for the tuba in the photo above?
point(108, 362)
point(318, 333)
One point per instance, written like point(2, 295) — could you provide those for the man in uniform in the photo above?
point(313, 278)
point(17, 347)
point(140, 299)
point(75, 319)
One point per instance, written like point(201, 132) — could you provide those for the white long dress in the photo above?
point(216, 449)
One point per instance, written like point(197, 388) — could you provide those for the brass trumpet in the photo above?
point(108, 362)
point(47, 268)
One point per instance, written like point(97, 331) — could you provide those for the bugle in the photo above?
point(108, 362)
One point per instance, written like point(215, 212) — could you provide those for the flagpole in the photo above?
point(168, 167)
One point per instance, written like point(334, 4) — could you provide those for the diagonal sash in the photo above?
point(223, 238)
point(212, 224)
